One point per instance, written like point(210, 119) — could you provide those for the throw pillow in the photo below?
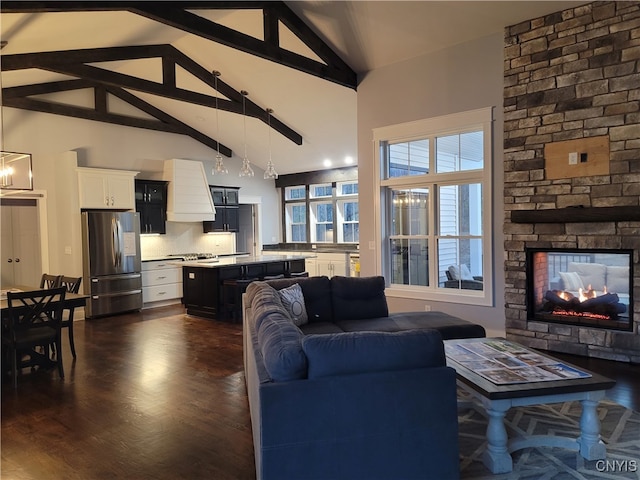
point(293, 302)
point(571, 281)
point(465, 273)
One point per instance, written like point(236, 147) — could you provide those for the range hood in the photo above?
point(189, 198)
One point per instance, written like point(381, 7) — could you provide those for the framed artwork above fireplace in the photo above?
point(580, 287)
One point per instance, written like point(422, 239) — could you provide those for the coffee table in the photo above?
point(497, 399)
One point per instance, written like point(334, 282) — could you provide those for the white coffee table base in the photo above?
point(497, 457)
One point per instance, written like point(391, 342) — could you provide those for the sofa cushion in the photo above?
point(320, 327)
point(590, 273)
point(449, 326)
point(618, 279)
point(280, 342)
point(355, 298)
point(362, 352)
point(293, 301)
point(317, 295)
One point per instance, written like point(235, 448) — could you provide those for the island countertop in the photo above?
point(244, 260)
point(213, 287)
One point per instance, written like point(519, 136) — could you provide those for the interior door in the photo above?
point(20, 249)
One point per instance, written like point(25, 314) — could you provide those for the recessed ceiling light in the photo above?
point(327, 162)
point(348, 160)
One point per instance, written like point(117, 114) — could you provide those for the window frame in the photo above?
point(459, 123)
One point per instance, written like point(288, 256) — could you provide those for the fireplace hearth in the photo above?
point(580, 287)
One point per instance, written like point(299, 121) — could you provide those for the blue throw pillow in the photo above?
point(361, 352)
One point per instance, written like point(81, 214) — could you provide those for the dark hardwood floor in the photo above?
point(155, 395)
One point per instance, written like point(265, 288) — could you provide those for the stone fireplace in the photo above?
point(572, 173)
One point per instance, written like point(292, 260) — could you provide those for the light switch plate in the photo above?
point(573, 158)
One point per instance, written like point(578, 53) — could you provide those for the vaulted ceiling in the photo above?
point(149, 65)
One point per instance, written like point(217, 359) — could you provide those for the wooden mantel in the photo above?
point(577, 215)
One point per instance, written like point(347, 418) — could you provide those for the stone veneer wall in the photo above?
point(570, 75)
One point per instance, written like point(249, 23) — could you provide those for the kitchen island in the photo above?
point(204, 280)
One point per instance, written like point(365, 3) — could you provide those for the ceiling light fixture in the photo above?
point(218, 168)
point(245, 170)
point(270, 172)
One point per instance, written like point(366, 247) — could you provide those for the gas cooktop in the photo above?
point(188, 257)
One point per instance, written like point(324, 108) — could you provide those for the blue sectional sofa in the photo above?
point(352, 392)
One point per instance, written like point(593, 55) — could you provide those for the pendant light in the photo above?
point(218, 168)
point(245, 170)
point(270, 172)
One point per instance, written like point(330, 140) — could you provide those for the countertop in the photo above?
point(226, 261)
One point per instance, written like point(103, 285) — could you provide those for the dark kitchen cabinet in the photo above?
point(224, 196)
point(227, 210)
point(151, 203)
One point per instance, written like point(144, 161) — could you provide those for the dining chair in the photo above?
point(50, 281)
point(33, 320)
point(72, 284)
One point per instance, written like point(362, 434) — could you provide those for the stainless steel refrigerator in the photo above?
point(112, 264)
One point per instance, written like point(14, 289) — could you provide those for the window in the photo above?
point(322, 212)
point(296, 220)
point(435, 210)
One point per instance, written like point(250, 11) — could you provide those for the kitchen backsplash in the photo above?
point(186, 238)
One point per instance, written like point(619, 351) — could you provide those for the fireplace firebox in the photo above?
point(580, 287)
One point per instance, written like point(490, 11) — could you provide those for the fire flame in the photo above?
point(588, 293)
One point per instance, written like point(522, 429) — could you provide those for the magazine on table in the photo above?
point(503, 362)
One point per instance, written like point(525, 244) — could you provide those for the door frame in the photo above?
point(256, 202)
point(40, 196)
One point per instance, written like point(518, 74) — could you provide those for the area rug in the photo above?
point(620, 431)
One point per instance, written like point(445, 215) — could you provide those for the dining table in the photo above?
point(71, 300)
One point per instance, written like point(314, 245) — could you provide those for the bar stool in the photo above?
point(273, 277)
point(233, 288)
point(297, 274)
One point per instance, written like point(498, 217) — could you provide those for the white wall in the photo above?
point(49, 138)
point(466, 77)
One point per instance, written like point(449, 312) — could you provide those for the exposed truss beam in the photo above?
point(18, 97)
point(176, 14)
point(73, 63)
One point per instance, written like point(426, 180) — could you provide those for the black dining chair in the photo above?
point(72, 284)
point(33, 320)
point(50, 281)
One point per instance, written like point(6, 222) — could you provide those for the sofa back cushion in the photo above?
point(593, 274)
point(362, 352)
point(618, 279)
point(317, 295)
point(280, 343)
point(356, 298)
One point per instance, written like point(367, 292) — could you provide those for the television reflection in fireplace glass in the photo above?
point(581, 287)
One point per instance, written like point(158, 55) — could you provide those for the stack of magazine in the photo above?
point(503, 362)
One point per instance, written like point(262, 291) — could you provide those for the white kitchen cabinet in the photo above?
point(106, 189)
point(331, 264)
point(161, 282)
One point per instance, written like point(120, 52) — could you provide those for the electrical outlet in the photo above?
point(427, 308)
point(67, 250)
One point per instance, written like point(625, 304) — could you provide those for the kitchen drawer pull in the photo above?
point(161, 278)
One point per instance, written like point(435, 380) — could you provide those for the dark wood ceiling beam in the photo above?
point(20, 61)
point(26, 6)
point(88, 114)
point(196, 25)
point(17, 97)
point(170, 57)
point(175, 14)
point(168, 119)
